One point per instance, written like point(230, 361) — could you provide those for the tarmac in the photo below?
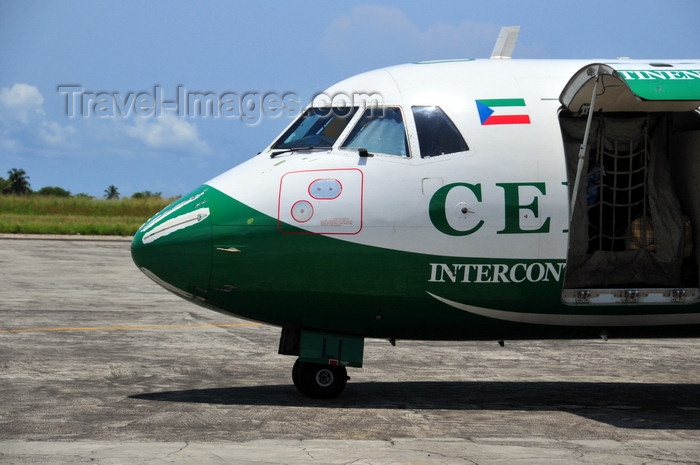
point(100, 365)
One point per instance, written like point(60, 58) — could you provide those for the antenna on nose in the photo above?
point(505, 43)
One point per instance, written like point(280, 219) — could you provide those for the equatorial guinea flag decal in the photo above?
point(506, 114)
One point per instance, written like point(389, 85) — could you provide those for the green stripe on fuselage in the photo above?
point(323, 283)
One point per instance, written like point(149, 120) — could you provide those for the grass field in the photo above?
point(75, 215)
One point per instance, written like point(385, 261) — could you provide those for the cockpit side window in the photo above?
point(437, 134)
point(380, 130)
point(317, 127)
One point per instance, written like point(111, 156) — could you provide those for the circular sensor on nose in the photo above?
point(302, 211)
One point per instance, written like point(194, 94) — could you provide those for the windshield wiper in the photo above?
point(297, 149)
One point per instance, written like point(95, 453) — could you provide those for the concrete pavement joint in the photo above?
point(180, 449)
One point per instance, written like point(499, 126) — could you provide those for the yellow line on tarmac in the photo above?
point(125, 327)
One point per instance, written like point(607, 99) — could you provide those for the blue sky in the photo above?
point(250, 49)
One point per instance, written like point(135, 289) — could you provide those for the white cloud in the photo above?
point(466, 39)
point(167, 132)
point(9, 145)
point(20, 103)
point(53, 134)
point(394, 39)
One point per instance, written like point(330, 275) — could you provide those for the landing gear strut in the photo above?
point(319, 381)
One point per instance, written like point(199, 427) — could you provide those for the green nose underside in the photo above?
point(174, 247)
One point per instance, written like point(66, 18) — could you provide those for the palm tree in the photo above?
point(19, 182)
point(112, 192)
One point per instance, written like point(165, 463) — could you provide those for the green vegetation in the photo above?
point(17, 182)
point(53, 191)
point(112, 193)
point(53, 210)
point(34, 214)
point(146, 195)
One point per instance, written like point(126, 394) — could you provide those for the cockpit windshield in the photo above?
point(380, 131)
point(316, 128)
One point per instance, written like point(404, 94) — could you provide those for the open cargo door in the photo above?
point(630, 86)
point(631, 135)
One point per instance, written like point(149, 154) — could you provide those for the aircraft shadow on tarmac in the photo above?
point(623, 405)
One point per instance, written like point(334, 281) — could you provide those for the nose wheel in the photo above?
point(319, 381)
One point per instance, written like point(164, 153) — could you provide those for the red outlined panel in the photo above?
point(321, 202)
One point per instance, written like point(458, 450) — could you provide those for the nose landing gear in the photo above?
point(319, 381)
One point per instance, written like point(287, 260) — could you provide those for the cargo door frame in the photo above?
point(643, 96)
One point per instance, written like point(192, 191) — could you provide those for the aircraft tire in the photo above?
point(295, 374)
point(319, 381)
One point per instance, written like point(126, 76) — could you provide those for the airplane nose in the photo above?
point(174, 247)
